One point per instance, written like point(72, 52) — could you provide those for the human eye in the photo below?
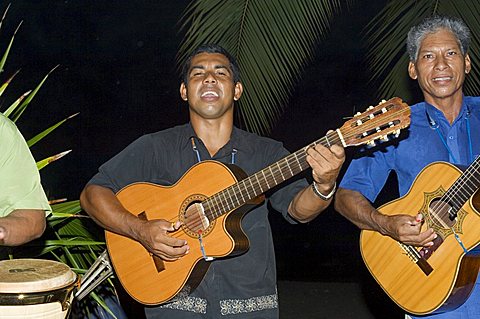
point(222, 72)
point(452, 53)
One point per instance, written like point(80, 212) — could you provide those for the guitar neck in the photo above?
point(245, 190)
point(465, 186)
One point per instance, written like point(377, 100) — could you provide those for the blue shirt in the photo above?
point(418, 146)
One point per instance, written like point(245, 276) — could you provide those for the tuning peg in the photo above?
point(396, 133)
point(371, 143)
point(383, 101)
point(357, 114)
point(384, 138)
point(370, 107)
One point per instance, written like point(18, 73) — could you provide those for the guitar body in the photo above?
point(134, 265)
point(454, 272)
point(210, 201)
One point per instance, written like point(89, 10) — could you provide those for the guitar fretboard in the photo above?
point(465, 186)
point(243, 191)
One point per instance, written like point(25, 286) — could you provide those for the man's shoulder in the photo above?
point(473, 102)
point(175, 132)
point(253, 139)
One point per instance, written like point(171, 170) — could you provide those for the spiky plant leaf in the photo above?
point(44, 133)
point(4, 85)
point(42, 163)
point(272, 41)
point(21, 108)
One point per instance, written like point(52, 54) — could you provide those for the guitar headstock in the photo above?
point(388, 117)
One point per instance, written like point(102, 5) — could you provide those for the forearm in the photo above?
point(356, 208)
point(22, 226)
point(106, 210)
point(306, 205)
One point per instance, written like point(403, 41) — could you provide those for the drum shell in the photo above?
point(36, 288)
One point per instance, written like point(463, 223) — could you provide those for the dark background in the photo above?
point(117, 68)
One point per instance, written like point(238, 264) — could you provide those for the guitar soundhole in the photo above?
point(442, 214)
point(193, 220)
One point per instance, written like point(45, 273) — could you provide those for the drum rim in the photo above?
point(39, 284)
point(61, 295)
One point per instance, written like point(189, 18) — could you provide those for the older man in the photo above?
point(445, 127)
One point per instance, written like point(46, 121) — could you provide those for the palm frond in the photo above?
point(272, 41)
point(387, 32)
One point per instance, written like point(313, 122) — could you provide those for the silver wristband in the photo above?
point(320, 195)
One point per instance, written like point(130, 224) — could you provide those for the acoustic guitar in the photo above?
point(210, 201)
point(439, 278)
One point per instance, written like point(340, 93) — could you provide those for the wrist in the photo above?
point(322, 196)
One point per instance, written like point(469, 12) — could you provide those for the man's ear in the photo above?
point(468, 64)
point(183, 92)
point(238, 91)
point(411, 70)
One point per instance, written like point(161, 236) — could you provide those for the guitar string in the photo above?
point(452, 194)
point(372, 124)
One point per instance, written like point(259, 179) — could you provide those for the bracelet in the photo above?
point(320, 195)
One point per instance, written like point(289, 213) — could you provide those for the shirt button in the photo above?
point(450, 137)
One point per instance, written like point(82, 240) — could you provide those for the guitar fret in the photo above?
point(225, 204)
point(253, 188)
point(296, 157)
point(265, 178)
point(259, 185)
point(280, 170)
point(288, 165)
point(229, 197)
point(273, 175)
point(245, 189)
point(235, 194)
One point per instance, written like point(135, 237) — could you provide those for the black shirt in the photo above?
point(242, 286)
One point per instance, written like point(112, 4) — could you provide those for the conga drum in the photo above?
point(35, 288)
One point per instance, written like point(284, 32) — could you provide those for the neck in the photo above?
point(450, 107)
point(214, 133)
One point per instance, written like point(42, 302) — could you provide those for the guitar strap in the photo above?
point(197, 152)
point(434, 126)
point(199, 159)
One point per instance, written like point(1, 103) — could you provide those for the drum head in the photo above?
point(34, 275)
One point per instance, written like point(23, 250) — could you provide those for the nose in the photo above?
point(440, 64)
point(210, 78)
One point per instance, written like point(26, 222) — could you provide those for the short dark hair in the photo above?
point(211, 48)
point(433, 24)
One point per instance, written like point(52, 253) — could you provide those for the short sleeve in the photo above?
point(19, 177)
point(367, 174)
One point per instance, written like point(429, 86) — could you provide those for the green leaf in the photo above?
point(21, 108)
point(44, 162)
point(41, 135)
point(4, 85)
point(7, 51)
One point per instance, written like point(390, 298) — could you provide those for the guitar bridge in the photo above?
point(417, 258)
